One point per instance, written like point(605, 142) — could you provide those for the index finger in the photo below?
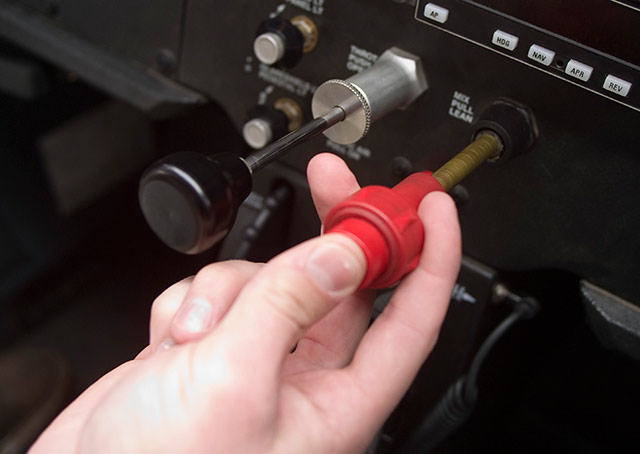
point(327, 167)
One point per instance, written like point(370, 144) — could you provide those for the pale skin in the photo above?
point(218, 375)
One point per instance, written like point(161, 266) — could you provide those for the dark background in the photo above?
point(79, 269)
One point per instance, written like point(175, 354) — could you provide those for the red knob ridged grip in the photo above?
point(385, 224)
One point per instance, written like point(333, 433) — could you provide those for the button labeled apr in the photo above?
point(578, 70)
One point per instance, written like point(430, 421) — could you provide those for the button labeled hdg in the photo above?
point(505, 40)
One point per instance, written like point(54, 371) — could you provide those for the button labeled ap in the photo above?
point(436, 13)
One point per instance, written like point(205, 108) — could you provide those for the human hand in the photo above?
point(218, 375)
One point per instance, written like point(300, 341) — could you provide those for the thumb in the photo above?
point(290, 293)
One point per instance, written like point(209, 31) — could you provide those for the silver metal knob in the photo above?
point(269, 48)
point(257, 133)
point(394, 81)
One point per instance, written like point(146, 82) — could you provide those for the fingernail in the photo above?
point(165, 345)
point(335, 268)
point(195, 315)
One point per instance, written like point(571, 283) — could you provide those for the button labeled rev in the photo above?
point(578, 70)
point(541, 55)
point(617, 86)
point(505, 40)
point(436, 13)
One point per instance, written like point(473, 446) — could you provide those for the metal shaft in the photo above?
point(487, 145)
point(261, 158)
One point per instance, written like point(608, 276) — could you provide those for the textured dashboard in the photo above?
point(570, 203)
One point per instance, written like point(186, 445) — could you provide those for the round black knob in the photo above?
point(513, 122)
point(191, 200)
point(279, 42)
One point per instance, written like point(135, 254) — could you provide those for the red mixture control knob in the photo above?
point(385, 224)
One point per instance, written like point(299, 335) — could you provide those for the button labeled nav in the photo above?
point(505, 40)
point(617, 86)
point(436, 13)
point(578, 70)
point(541, 55)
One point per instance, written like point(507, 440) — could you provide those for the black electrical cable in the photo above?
point(455, 407)
point(519, 312)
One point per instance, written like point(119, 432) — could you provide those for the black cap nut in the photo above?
point(514, 124)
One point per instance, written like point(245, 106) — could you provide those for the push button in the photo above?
point(504, 39)
point(436, 13)
point(541, 55)
point(578, 70)
point(617, 86)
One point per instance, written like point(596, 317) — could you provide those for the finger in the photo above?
point(329, 167)
point(290, 294)
point(162, 311)
point(146, 353)
point(332, 341)
point(397, 344)
point(208, 299)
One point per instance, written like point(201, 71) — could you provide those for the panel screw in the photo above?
point(460, 194)
point(402, 167)
point(166, 61)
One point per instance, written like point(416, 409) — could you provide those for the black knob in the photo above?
point(513, 122)
point(278, 42)
point(191, 200)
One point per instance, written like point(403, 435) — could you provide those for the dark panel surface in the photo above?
point(138, 29)
point(569, 204)
point(606, 28)
point(104, 68)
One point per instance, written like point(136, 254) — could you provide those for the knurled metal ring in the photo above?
point(362, 97)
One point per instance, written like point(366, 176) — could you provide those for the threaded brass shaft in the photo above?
point(485, 146)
